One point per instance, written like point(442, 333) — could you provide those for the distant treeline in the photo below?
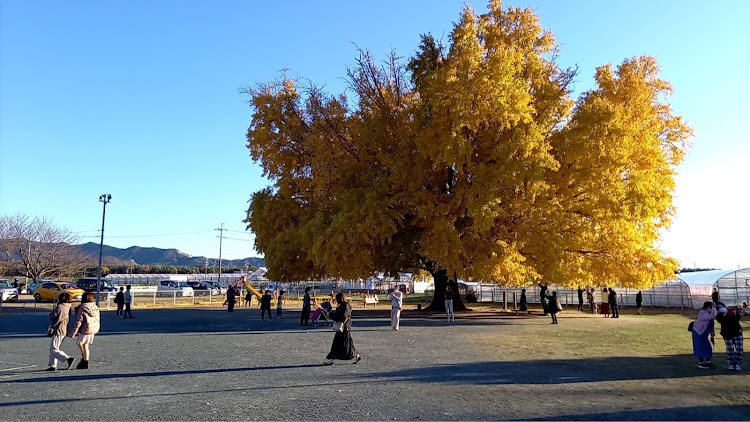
point(162, 269)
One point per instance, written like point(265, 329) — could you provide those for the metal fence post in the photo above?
point(174, 298)
point(193, 298)
point(505, 300)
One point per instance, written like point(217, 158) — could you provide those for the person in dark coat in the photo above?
point(580, 299)
point(523, 306)
point(639, 303)
point(552, 306)
point(543, 297)
point(120, 302)
point(590, 298)
point(265, 306)
point(731, 331)
point(342, 347)
point(230, 299)
point(304, 317)
point(715, 297)
point(612, 300)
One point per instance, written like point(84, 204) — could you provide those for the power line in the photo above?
point(241, 240)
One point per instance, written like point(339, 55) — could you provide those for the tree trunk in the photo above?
point(441, 281)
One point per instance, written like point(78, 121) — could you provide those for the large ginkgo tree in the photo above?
point(470, 160)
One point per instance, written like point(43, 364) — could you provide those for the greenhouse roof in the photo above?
point(698, 278)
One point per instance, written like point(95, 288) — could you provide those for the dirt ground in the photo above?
point(207, 364)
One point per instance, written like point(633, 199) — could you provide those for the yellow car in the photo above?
point(51, 291)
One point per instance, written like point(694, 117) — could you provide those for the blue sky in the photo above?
point(140, 99)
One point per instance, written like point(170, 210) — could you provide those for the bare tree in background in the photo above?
point(6, 247)
point(43, 249)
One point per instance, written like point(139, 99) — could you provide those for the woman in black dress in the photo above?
point(523, 306)
point(343, 346)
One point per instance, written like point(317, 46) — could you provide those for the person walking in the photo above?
point(248, 298)
point(306, 302)
point(543, 297)
point(342, 347)
point(604, 300)
point(128, 300)
point(612, 300)
point(731, 332)
point(265, 306)
point(703, 330)
point(120, 302)
point(639, 303)
point(279, 304)
point(715, 297)
point(230, 299)
point(86, 326)
point(580, 299)
point(523, 305)
point(397, 299)
point(449, 304)
point(552, 306)
point(59, 318)
point(590, 299)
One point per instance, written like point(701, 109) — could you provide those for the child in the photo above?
point(279, 304)
point(731, 331)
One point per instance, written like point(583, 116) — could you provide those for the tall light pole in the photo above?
point(106, 198)
point(221, 240)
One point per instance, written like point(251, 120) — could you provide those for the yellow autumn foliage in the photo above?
point(472, 159)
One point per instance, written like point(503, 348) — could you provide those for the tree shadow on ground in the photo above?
point(165, 321)
point(552, 371)
point(711, 413)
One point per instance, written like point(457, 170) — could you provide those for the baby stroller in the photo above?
point(321, 314)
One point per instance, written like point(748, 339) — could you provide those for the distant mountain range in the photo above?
point(158, 256)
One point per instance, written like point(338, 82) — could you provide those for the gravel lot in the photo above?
point(208, 364)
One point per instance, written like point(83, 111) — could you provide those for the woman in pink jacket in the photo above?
point(87, 325)
point(703, 329)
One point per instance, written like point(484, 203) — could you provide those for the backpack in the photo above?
point(690, 326)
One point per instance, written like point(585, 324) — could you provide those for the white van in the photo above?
point(169, 286)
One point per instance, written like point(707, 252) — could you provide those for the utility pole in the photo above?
point(221, 240)
point(106, 198)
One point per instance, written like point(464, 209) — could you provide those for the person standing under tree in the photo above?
point(639, 303)
point(590, 299)
point(128, 299)
point(59, 317)
point(604, 307)
point(120, 302)
point(580, 299)
point(612, 300)
point(523, 305)
point(543, 297)
point(449, 304)
point(552, 306)
point(305, 315)
point(279, 304)
point(397, 299)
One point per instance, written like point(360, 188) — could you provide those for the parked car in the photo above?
point(52, 289)
point(203, 286)
point(169, 286)
point(30, 288)
point(404, 288)
point(88, 284)
point(8, 293)
point(217, 285)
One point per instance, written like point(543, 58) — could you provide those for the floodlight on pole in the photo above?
point(105, 199)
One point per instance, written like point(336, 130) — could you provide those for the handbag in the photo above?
point(339, 326)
